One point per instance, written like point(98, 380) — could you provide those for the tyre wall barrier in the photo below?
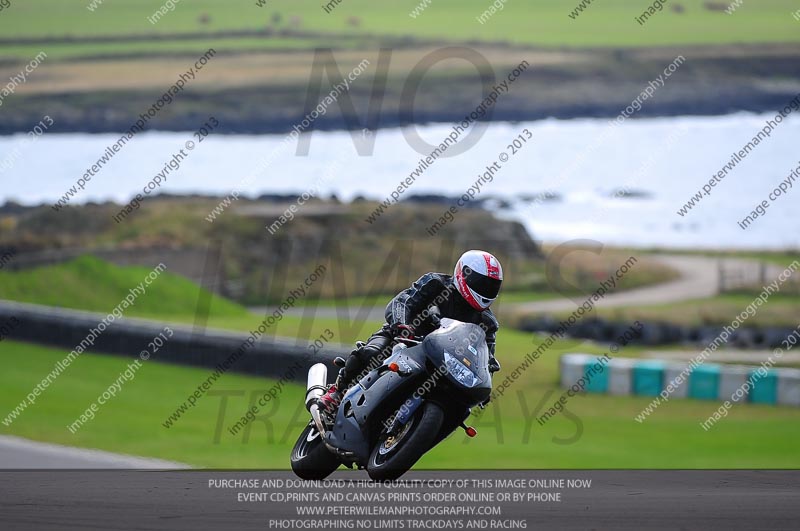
point(128, 337)
point(626, 376)
point(661, 333)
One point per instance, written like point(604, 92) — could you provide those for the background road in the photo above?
point(699, 278)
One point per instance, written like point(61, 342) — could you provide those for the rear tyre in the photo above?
point(311, 459)
point(394, 456)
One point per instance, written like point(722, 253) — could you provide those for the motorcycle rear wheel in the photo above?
point(311, 459)
point(394, 456)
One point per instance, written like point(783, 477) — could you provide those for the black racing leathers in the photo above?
point(436, 289)
point(411, 308)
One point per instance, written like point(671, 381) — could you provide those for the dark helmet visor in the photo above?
point(486, 287)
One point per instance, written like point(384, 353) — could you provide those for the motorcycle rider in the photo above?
point(465, 296)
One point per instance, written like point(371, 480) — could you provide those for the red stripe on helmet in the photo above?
point(492, 271)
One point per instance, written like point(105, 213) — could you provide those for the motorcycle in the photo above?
point(398, 411)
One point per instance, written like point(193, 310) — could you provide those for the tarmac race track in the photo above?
point(188, 500)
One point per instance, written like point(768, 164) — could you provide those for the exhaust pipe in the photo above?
point(317, 384)
point(316, 387)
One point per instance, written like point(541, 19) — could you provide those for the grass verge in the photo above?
point(597, 432)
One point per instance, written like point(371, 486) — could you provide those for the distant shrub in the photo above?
point(716, 6)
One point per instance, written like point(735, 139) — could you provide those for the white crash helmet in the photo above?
point(478, 276)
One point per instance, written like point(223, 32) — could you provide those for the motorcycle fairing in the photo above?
point(365, 402)
point(466, 343)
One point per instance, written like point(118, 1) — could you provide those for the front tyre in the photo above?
point(311, 459)
point(394, 456)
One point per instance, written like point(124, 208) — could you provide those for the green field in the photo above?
point(88, 283)
point(603, 24)
point(188, 47)
point(91, 284)
point(606, 434)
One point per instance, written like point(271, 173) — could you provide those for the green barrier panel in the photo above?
point(704, 382)
point(765, 388)
point(597, 382)
point(648, 378)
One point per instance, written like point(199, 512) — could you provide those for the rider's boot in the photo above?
point(358, 360)
point(329, 402)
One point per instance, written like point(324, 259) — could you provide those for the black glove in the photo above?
point(494, 365)
point(359, 347)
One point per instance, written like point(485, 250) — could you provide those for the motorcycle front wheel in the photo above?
point(311, 459)
point(394, 456)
